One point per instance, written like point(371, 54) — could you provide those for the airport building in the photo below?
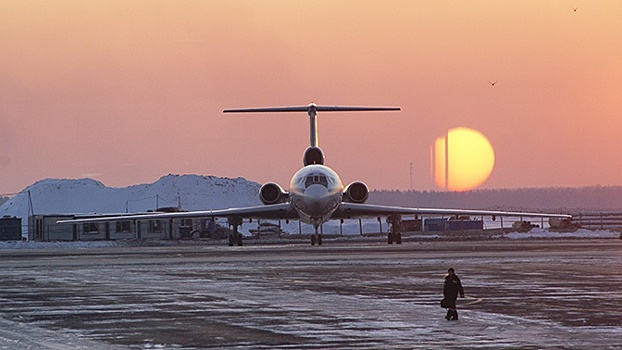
point(44, 227)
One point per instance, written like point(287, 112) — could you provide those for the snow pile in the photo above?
point(57, 245)
point(533, 234)
point(190, 192)
point(581, 233)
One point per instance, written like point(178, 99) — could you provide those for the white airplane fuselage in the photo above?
point(315, 192)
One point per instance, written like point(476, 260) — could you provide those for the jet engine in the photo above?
point(271, 193)
point(313, 155)
point(356, 192)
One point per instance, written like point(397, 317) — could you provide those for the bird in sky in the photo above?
point(492, 82)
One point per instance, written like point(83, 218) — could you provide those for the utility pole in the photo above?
point(411, 176)
point(447, 161)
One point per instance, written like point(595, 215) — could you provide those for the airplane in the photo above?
point(316, 193)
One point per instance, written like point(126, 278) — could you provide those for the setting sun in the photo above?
point(462, 159)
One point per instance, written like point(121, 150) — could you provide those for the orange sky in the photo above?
point(128, 91)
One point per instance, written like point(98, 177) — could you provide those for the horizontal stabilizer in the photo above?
point(309, 108)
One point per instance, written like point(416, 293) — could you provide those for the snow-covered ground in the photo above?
point(536, 233)
point(519, 295)
point(543, 233)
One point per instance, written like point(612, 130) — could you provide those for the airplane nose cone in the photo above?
point(317, 198)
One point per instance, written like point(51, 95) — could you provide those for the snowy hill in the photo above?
point(191, 192)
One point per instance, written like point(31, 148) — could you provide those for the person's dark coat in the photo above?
point(452, 288)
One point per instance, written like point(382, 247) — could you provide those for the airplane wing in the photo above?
point(273, 211)
point(284, 211)
point(354, 210)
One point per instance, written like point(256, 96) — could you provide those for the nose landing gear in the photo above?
point(316, 237)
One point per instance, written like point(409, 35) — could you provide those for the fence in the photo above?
point(598, 220)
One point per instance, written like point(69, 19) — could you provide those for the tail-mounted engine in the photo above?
point(313, 155)
point(356, 192)
point(271, 193)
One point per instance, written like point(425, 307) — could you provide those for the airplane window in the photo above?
point(316, 179)
point(323, 180)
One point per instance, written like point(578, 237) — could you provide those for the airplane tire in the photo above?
point(312, 239)
point(319, 240)
point(239, 239)
point(390, 238)
point(231, 240)
point(398, 238)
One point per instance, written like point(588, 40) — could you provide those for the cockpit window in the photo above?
point(316, 179)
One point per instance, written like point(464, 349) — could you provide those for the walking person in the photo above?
point(451, 290)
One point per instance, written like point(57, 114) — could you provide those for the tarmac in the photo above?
point(528, 294)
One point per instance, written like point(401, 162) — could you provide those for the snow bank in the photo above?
point(533, 234)
point(540, 233)
point(11, 245)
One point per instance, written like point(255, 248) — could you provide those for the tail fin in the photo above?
point(311, 110)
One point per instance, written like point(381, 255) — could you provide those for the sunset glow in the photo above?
point(128, 91)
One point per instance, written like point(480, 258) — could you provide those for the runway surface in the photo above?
point(529, 294)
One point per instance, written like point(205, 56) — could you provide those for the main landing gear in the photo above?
point(235, 238)
point(395, 236)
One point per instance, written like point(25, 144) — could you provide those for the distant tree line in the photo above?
point(571, 199)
